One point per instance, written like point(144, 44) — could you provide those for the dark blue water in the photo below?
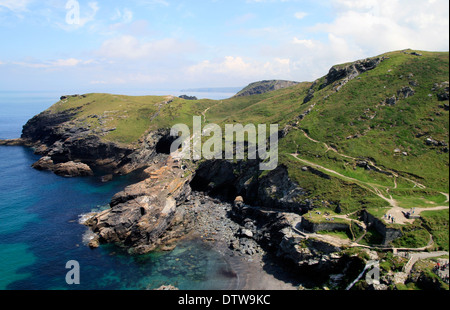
point(40, 230)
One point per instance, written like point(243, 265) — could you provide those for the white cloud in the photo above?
point(378, 26)
point(300, 15)
point(307, 43)
point(59, 63)
point(131, 78)
point(362, 29)
point(98, 82)
point(15, 5)
point(311, 59)
point(128, 47)
point(228, 65)
point(235, 69)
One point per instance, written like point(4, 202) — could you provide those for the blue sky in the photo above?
point(138, 45)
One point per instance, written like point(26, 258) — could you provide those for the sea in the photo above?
point(41, 230)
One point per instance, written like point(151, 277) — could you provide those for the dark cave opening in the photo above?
point(225, 191)
point(164, 144)
point(216, 178)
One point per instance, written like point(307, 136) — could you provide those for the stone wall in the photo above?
point(323, 226)
point(389, 234)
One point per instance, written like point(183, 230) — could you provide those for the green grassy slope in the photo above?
point(131, 116)
point(404, 126)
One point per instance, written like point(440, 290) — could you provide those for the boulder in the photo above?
point(73, 169)
point(391, 100)
point(246, 233)
point(45, 163)
point(405, 92)
point(363, 164)
point(431, 142)
point(442, 90)
point(443, 96)
point(107, 178)
point(239, 201)
point(94, 243)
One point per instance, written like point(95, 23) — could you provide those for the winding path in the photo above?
point(418, 256)
point(396, 211)
point(366, 185)
point(393, 173)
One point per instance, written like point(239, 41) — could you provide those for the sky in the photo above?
point(137, 45)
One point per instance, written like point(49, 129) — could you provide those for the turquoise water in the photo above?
point(40, 230)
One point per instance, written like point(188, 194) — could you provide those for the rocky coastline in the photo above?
point(214, 201)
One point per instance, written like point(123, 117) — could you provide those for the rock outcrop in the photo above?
point(67, 169)
point(59, 138)
point(338, 77)
point(277, 232)
point(186, 97)
point(13, 142)
point(264, 87)
point(228, 180)
point(146, 215)
point(56, 135)
point(442, 90)
point(344, 74)
point(73, 169)
point(405, 92)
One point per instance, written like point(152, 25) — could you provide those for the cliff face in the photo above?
point(274, 190)
point(61, 138)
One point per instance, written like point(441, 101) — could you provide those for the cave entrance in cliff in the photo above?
point(164, 144)
point(216, 179)
point(224, 192)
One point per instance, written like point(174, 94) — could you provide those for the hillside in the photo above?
point(371, 135)
point(367, 141)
